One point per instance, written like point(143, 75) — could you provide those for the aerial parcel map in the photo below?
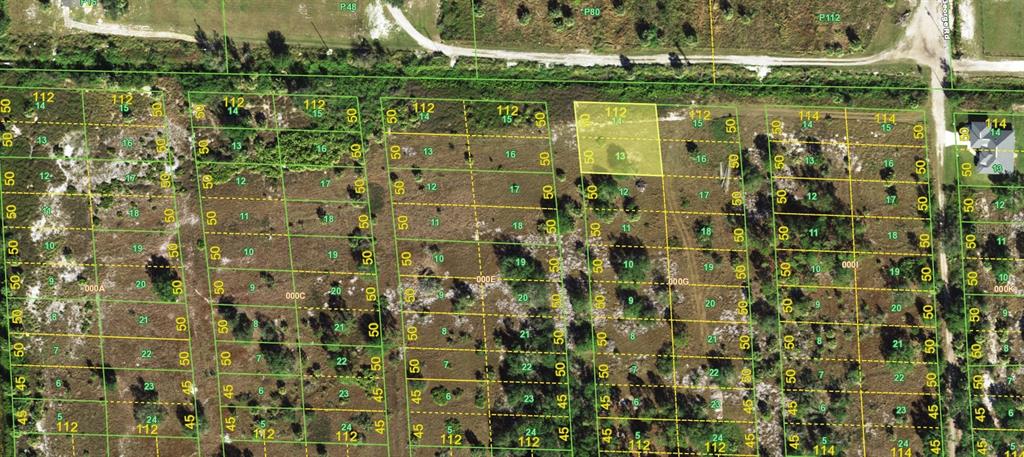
point(512, 228)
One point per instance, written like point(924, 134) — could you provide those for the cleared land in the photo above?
point(686, 26)
point(1001, 27)
point(99, 343)
point(770, 287)
point(308, 22)
point(854, 271)
point(475, 223)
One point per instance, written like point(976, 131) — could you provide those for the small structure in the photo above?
point(993, 147)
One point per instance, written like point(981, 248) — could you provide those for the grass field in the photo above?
point(334, 23)
point(1001, 24)
point(739, 27)
point(724, 26)
point(301, 22)
point(185, 17)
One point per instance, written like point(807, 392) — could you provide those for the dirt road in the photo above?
point(586, 59)
point(121, 30)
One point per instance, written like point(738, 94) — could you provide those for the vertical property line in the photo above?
point(937, 317)
point(224, 28)
point(476, 59)
point(963, 287)
point(281, 167)
point(376, 283)
point(398, 272)
point(952, 15)
point(778, 291)
point(480, 265)
point(206, 262)
point(561, 276)
point(668, 274)
point(95, 266)
point(748, 288)
point(856, 289)
point(7, 305)
point(168, 165)
point(711, 23)
point(581, 188)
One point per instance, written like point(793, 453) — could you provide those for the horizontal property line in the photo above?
point(104, 337)
point(481, 350)
point(678, 419)
point(85, 367)
point(868, 425)
point(677, 386)
point(91, 124)
point(69, 400)
point(856, 360)
point(857, 216)
point(92, 297)
point(675, 356)
point(858, 324)
point(986, 394)
point(476, 278)
point(286, 200)
point(295, 376)
point(83, 159)
point(489, 381)
point(273, 270)
point(301, 408)
point(1007, 259)
point(86, 194)
point(846, 143)
point(653, 452)
point(288, 235)
point(669, 140)
point(470, 135)
point(855, 252)
point(452, 313)
point(845, 179)
point(463, 413)
point(264, 128)
point(475, 205)
point(75, 264)
point(993, 330)
point(654, 283)
point(668, 211)
point(874, 289)
point(293, 307)
point(242, 342)
point(854, 391)
point(496, 169)
point(708, 177)
point(488, 242)
point(86, 229)
point(671, 248)
point(107, 435)
point(661, 319)
point(305, 442)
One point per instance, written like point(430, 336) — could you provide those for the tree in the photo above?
point(523, 14)
point(114, 8)
point(631, 263)
point(276, 43)
point(162, 276)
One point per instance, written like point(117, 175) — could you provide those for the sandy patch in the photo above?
point(380, 25)
point(966, 12)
